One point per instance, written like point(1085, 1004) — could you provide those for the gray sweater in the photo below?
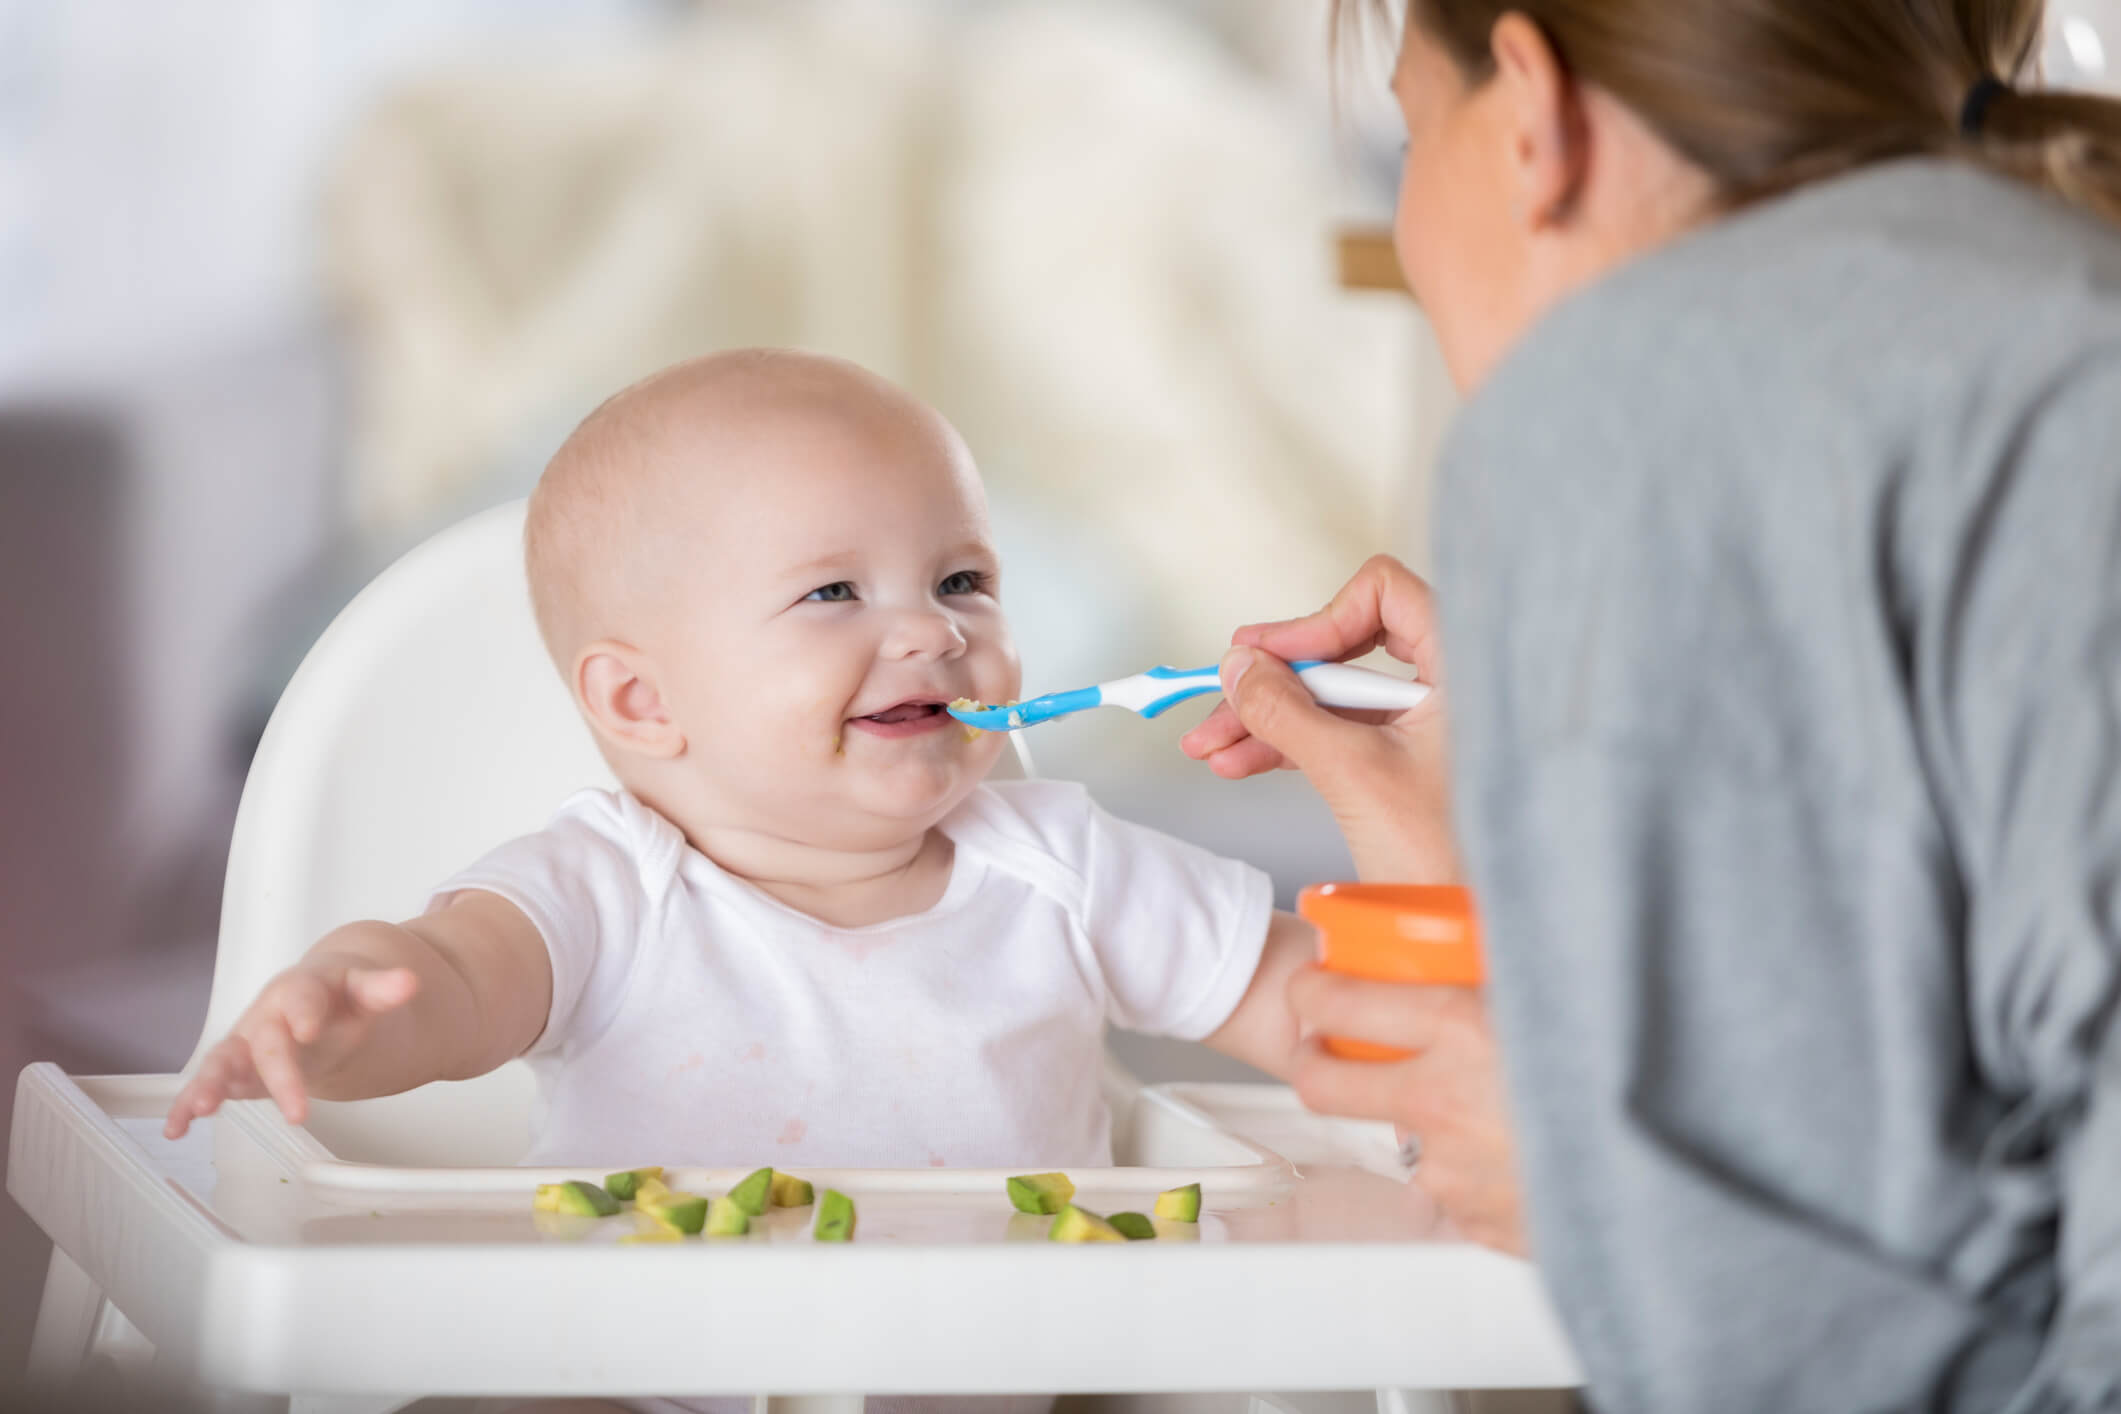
point(1781, 575)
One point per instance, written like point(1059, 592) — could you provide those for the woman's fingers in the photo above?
point(1384, 604)
point(1275, 709)
point(1357, 1089)
point(1409, 1017)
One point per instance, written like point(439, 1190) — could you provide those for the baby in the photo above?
point(804, 932)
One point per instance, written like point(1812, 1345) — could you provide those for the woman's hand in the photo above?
point(1448, 1095)
point(1383, 775)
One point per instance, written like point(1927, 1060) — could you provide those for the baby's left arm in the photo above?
point(1262, 1031)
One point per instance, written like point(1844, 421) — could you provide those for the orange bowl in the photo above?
point(1420, 933)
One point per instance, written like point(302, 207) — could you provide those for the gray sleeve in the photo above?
point(2020, 690)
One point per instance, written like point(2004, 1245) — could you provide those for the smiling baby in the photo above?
point(804, 932)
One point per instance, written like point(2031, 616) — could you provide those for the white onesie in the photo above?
point(697, 1021)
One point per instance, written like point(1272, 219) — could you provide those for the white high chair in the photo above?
point(432, 687)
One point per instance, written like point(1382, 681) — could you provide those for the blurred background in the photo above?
point(285, 285)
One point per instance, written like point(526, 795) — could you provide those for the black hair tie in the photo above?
point(1974, 111)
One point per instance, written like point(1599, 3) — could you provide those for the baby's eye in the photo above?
point(963, 582)
point(839, 591)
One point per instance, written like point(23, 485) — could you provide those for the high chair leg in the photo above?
point(66, 1325)
point(807, 1404)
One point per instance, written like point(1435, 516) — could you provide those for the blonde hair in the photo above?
point(1767, 95)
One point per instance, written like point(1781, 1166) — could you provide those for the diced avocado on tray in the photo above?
point(726, 1218)
point(1180, 1204)
point(622, 1185)
point(1041, 1192)
point(1081, 1225)
point(680, 1212)
point(1135, 1227)
point(792, 1192)
point(835, 1217)
point(576, 1197)
point(753, 1192)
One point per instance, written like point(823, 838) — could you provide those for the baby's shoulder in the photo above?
point(609, 837)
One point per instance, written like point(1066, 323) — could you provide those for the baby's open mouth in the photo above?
point(905, 712)
point(915, 717)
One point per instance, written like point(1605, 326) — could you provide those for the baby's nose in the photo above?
point(925, 634)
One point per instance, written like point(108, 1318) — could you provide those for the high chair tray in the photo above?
point(253, 1258)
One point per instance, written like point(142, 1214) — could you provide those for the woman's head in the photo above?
point(1550, 139)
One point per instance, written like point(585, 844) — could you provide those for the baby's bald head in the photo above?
point(624, 490)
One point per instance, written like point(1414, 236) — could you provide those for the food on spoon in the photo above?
point(1135, 1227)
point(1081, 1225)
point(792, 1192)
point(753, 1192)
point(622, 1185)
point(727, 1218)
point(1041, 1192)
point(835, 1217)
point(1180, 1204)
point(584, 1200)
point(680, 1212)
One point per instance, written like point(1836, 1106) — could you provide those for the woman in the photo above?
point(1780, 551)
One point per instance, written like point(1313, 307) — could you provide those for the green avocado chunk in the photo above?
point(753, 1192)
point(1135, 1227)
point(835, 1217)
point(584, 1200)
point(1180, 1204)
point(1041, 1192)
point(621, 1185)
point(792, 1192)
point(726, 1218)
point(680, 1212)
point(1081, 1225)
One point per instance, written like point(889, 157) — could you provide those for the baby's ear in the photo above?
point(616, 685)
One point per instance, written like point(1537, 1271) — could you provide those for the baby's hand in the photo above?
point(305, 1023)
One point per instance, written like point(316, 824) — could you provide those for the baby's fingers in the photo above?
point(225, 1074)
point(272, 1049)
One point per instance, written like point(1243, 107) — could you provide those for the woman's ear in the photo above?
point(617, 687)
point(1548, 130)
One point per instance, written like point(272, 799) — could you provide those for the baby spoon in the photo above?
point(1158, 690)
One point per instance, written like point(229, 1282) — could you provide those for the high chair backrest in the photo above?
point(424, 727)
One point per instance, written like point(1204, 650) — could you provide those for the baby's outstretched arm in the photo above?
point(375, 1008)
point(1263, 1031)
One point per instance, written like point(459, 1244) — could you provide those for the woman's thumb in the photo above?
point(1273, 705)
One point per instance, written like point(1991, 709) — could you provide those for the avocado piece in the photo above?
point(681, 1212)
point(727, 1218)
point(1135, 1227)
point(621, 1185)
point(753, 1192)
point(835, 1217)
point(1180, 1204)
point(1081, 1225)
point(573, 1196)
point(1041, 1192)
point(792, 1192)
point(648, 1188)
